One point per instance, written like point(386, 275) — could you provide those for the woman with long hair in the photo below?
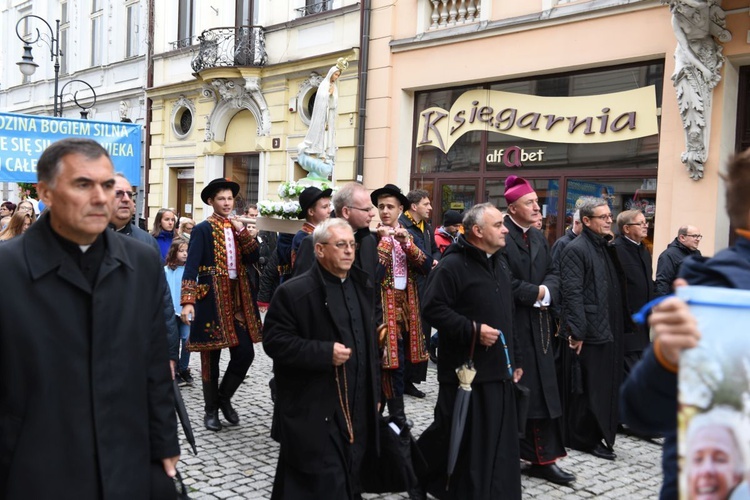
point(163, 229)
point(27, 206)
point(19, 223)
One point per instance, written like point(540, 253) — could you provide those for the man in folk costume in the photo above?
point(536, 288)
point(315, 207)
point(217, 301)
point(399, 260)
point(416, 220)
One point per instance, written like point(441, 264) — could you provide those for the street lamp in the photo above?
point(27, 66)
point(84, 109)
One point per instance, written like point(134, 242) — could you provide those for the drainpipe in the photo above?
point(149, 85)
point(364, 56)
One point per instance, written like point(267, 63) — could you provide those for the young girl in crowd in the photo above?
point(176, 258)
point(163, 230)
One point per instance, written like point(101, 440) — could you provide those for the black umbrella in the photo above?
point(179, 405)
point(466, 374)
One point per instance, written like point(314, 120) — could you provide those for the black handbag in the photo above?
point(399, 464)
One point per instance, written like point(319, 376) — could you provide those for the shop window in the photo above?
point(464, 156)
point(621, 194)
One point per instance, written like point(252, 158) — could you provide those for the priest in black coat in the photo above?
point(536, 289)
point(636, 263)
point(470, 289)
point(319, 331)
point(85, 387)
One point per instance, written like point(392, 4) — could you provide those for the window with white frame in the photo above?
point(185, 26)
point(64, 27)
point(133, 15)
point(97, 17)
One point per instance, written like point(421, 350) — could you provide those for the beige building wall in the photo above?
point(538, 43)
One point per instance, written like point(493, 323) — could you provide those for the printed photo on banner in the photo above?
point(714, 397)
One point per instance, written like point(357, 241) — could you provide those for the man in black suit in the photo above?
point(636, 263)
point(85, 388)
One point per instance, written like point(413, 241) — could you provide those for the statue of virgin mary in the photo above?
point(319, 146)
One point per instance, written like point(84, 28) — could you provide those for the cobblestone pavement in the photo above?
point(239, 462)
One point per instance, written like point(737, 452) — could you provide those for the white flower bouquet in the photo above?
point(279, 209)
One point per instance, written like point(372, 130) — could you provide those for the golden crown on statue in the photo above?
point(342, 63)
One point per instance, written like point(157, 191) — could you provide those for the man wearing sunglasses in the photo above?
point(121, 222)
point(668, 267)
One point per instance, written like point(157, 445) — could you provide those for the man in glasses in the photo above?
point(320, 333)
point(121, 222)
point(668, 266)
point(351, 203)
point(593, 319)
point(636, 263)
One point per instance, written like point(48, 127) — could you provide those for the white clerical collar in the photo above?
point(524, 229)
point(634, 242)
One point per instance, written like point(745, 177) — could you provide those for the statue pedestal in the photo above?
point(290, 226)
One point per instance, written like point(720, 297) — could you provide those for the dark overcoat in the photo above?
point(86, 399)
point(466, 287)
point(532, 266)
point(298, 335)
point(639, 286)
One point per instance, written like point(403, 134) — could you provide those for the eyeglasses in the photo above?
point(366, 210)
point(644, 224)
point(602, 217)
point(120, 193)
point(342, 245)
point(696, 236)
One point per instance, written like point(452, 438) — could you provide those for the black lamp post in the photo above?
point(28, 66)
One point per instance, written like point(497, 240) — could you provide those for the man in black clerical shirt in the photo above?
point(319, 330)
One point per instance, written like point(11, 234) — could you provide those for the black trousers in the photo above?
point(241, 357)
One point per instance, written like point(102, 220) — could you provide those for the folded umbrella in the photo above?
point(466, 374)
point(179, 405)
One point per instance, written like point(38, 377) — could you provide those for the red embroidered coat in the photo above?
point(207, 286)
point(415, 351)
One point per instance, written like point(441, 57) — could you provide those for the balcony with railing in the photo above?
point(231, 47)
point(450, 13)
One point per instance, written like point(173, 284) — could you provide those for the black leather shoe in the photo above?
point(550, 472)
point(411, 390)
point(602, 451)
point(211, 421)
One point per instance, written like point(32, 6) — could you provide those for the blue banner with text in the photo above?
point(23, 138)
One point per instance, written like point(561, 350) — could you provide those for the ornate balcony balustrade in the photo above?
point(230, 47)
point(450, 13)
point(314, 8)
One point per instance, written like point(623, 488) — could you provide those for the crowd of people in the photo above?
point(350, 313)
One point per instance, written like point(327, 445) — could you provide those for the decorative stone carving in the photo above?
point(234, 94)
point(697, 25)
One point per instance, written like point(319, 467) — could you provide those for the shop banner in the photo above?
point(23, 138)
point(619, 116)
